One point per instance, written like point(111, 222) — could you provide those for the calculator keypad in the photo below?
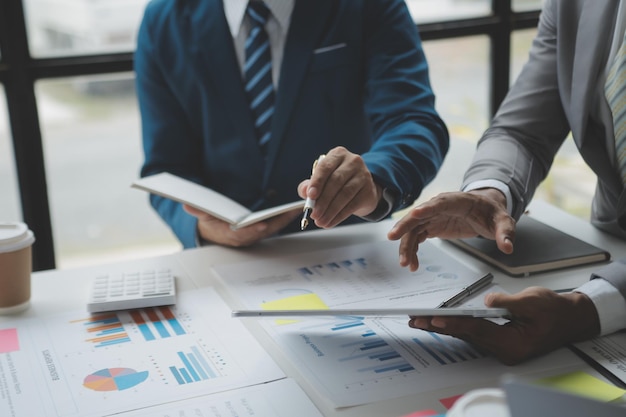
point(133, 289)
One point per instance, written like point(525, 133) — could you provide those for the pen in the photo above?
point(309, 203)
point(467, 291)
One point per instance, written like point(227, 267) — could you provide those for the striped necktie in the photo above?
point(258, 72)
point(615, 90)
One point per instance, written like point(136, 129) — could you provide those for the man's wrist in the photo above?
point(495, 184)
point(385, 202)
point(492, 194)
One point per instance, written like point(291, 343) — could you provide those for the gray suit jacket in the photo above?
point(556, 93)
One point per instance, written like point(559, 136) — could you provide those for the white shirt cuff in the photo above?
point(609, 303)
point(499, 185)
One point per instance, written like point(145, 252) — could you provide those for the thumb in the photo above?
point(303, 188)
point(505, 234)
point(498, 300)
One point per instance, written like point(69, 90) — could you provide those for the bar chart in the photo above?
point(195, 367)
point(105, 329)
point(156, 323)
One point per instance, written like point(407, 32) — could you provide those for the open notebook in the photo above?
point(538, 247)
point(187, 192)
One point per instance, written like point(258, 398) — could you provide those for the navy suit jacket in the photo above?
point(369, 92)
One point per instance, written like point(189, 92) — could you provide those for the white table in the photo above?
point(61, 290)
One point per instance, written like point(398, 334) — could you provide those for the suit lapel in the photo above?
point(593, 41)
point(308, 20)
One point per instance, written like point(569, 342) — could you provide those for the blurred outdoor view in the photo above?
point(92, 138)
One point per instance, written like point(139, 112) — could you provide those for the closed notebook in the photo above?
point(538, 247)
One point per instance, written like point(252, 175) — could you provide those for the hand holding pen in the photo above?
point(341, 186)
point(309, 204)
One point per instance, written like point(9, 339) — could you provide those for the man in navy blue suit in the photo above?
point(345, 78)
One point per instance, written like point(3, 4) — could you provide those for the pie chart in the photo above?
point(114, 379)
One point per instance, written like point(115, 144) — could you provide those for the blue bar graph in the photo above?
point(178, 329)
point(402, 366)
point(177, 375)
point(351, 265)
point(347, 325)
point(447, 350)
point(195, 367)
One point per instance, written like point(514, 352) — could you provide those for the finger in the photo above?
point(303, 188)
point(337, 201)
point(408, 251)
point(321, 173)
point(349, 190)
point(201, 215)
point(406, 224)
point(478, 331)
point(519, 305)
point(358, 196)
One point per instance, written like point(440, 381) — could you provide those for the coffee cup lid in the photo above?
point(14, 236)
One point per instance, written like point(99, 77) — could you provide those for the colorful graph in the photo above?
point(114, 379)
point(195, 367)
point(361, 349)
point(160, 321)
point(350, 265)
point(107, 330)
point(447, 351)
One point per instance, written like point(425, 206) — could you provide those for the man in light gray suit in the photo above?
point(560, 89)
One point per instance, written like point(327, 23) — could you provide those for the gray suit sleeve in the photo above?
point(615, 274)
point(530, 126)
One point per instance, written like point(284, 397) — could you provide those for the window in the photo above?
point(463, 106)
point(526, 5)
point(92, 146)
point(428, 11)
point(79, 27)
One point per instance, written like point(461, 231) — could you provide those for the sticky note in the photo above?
point(309, 301)
point(583, 384)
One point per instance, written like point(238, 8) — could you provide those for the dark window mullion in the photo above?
point(500, 49)
point(24, 120)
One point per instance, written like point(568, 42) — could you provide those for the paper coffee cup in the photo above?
point(16, 241)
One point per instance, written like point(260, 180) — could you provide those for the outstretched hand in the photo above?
point(541, 321)
point(455, 215)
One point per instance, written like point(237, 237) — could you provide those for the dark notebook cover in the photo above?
point(537, 248)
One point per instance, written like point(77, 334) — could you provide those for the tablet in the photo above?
point(377, 312)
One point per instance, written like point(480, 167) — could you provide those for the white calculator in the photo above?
point(132, 289)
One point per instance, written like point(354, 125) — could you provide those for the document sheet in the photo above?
point(609, 352)
point(354, 360)
point(76, 364)
point(283, 398)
